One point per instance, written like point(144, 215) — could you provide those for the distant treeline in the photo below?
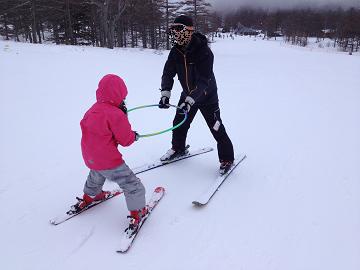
point(343, 26)
point(144, 23)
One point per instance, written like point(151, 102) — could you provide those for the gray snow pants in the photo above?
point(134, 190)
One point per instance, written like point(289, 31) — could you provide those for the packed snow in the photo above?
point(294, 203)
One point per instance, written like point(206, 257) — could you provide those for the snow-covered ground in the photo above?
point(293, 204)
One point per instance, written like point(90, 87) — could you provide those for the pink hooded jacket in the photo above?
point(105, 126)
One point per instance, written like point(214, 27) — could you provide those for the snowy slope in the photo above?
point(293, 204)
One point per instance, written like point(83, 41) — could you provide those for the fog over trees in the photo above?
point(228, 5)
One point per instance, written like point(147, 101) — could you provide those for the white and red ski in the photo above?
point(158, 163)
point(74, 211)
point(205, 197)
point(126, 240)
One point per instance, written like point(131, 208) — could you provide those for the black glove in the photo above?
point(186, 105)
point(137, 136)
point(122, 107)
point(165, 99)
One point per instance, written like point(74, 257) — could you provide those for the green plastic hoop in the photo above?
point(165, 130)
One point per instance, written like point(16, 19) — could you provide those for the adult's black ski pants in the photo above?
point(211, 114)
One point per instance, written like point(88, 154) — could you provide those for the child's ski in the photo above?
point(127, 240)
point(74, 211)
point(159, 163)
point(204, 198)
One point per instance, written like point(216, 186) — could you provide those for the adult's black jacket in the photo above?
point(194, 68)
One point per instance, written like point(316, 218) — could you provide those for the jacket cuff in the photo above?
point(189, 100)
point(166, 93)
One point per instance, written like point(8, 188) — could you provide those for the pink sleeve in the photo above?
point(121, 128)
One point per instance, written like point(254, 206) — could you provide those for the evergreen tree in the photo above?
point(199, 11)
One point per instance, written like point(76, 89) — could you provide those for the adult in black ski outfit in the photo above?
point(192, 60)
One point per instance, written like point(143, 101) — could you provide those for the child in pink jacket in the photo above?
point(105, 126)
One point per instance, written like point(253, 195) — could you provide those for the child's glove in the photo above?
point(137, 136)
point(122, 107)
point(165, 99)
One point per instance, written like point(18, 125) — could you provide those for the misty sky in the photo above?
point(283, 4)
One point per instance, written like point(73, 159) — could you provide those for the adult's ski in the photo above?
point(158, 163)
point(205, 197)
point(74, 210)
point(127, 240)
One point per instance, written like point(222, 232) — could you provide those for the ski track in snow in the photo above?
point(80, 241)
point(83, 238)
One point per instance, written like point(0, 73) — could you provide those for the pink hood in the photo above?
point(111, 89)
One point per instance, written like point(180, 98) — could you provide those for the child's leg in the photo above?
point(94, 183)
point(134, 190)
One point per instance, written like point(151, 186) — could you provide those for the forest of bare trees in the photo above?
point(342, 26)
point(144, 23)
point(103, 23)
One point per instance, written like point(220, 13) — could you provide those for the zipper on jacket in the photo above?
point(186, 75)
point(186, 72)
